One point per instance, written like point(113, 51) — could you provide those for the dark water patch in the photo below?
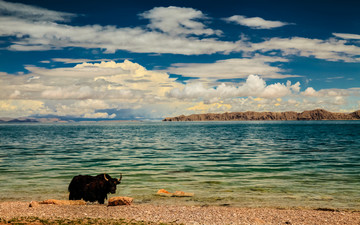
point(179, 171)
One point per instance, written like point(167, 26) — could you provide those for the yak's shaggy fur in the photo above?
point(92, 188)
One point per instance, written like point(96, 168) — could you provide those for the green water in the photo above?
point(281, 164)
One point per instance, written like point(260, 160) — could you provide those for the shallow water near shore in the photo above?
point(312, 164)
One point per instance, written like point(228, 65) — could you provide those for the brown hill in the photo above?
point(317, 114)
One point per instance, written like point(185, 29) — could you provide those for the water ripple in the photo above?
point(238, 163)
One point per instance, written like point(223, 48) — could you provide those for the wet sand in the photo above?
point(169, 214)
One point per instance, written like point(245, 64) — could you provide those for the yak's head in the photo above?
point(111, 183)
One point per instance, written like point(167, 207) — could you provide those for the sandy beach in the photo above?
point(20, 212)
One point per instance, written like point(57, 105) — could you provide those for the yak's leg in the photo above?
point(71, 196)
point(75, 195)
point(101, 198)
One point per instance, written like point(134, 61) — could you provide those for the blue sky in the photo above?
point(152, 59)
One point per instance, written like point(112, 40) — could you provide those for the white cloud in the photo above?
point(347, 36)
point(84, 109)
point(43, 35)
point(172, 30)
point(128, 90)
point(333, 92)
point(177, 21)
point(275, 91)
point(232, 68)
point(18, 108)
point(310, 92)
point(254, 86)
point(331, 50)
point(32, 12)
point(99, 115)
point(84, 92)
point(335, 100)
point(255, 22)
point(97, 90)
point(295, 87)
point(15, 94)
point(217, 107)
point(69, 60)
point(106, 80)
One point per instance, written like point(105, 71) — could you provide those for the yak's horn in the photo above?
point(120, 177)
point(105, 177)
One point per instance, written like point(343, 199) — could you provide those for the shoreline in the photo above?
point(19, 211)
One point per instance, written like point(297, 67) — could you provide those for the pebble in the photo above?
point(181, 214)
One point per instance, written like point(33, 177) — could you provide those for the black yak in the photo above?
point(92, 188)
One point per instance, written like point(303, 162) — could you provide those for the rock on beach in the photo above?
point(57, 202)
point(164, 192)
point(114, 201)
point(182, 194)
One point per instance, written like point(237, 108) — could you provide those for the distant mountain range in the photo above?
point(56, 120)
point(317, 114)
point(32, 120)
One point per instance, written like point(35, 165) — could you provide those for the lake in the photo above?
point(279, 164)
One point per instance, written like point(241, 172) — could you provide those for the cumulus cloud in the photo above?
point(111, 90)
point(216, 107)
point(254, 86)
point(15, 94)
point(85, 89)
point(310, 92)
point(85, 109)
point(106, 80)
point(18, 108)
point(333, 92)
point(68, 93)
point(339, 100)
point(232, 68)
point(331, 99)
point(99, 115)
point(178, 21)
point(255, 22)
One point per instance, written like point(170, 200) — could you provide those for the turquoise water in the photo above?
point(281, 164)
